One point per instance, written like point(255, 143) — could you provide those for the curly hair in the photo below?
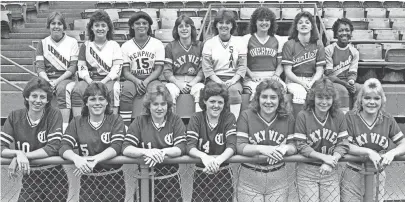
point(214, 89)
point(282, 109)
point(97, 16)
point(371, 85)
point(96, 88)
point(52, 16)
point(189, 21)
point(263, 13)
point(224, 15)
point(314, 32)
point(151, 95)
point(35, 84)
point(343, 21)
point(323, 86)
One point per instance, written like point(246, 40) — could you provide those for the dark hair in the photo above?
point(225, 15)
point(214, 89)
point(100, 15)
point(52, 17)
point(137, 16)
point(277, 87)
point(150, 96)
point(189, 21)
point(96, 88)
point(339, 21)
point(38, 83)
point(323, 86)
point(314, 32)
point(263, 13)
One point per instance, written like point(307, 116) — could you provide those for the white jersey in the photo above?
point(142, 59)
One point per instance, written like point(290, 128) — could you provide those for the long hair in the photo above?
point(189, 21)
point(100, 15)
point(214, 89)
point(371, 85)
point(151, 95)
point(34, 84)
point(137, 16)
point(323, 86)
point(52, 17)
point(314, 32)
point(96, 88)
point(343, 21)
point(277, 87)
point(224, 15)
point(263, 13)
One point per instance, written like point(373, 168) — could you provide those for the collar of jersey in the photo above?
point(187, 50)
point(260, 41)
point(338, 47)
point(141, 47)
point(266, 122)
point(209, 123)
point(158, 127)
point(365, 122)
point(60, 41)
point(31, 123)
point(96, 128)
point(223, 44)
point(320, 122)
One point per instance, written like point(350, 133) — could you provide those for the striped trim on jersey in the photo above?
point(399, 136)
point(179, 139)
point(4, 137)
point(132, 139)
point(117, 137)
point(230, 132)
point(54, 136)
point(192, 134)
point(70, 139)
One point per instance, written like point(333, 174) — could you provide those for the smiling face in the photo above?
point(158, 107)
point(268, 101)
point(97, 104)
point(184, 30)
point(263, 24)
point(323, 103)
point(224, 28)
point(141, 27)
point(304, 25)
point(56, 28)
point(344, 34)
point(371, 102)
point(37, 100)
point(215, 105)
point(100, 29)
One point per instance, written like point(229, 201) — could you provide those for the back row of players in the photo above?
point(319, 131)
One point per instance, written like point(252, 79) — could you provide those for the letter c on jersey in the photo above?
point(169, 139)
point(42, 136)
point(219, 139)
point(105, 138)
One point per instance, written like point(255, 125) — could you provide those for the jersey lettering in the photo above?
point(142, 54)
point(99, 60)
point(231, 57)
point(186, 59)
point(169, 139)
point(343, 64)
point(219, 138)
point(84, 150)
point(276, 137)
point(42, 136)
point(63, 60)
point(325, 133)
point(262, 51)
point(307, 56)
point(105, 138)
point(25, 146)
point(148, 145)
point(375, 138)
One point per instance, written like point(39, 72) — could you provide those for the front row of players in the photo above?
point(320, 131)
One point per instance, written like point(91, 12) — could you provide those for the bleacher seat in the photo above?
point(398, 23)
point(376, 12)
point(333, 12)
point(354, 12)
point(362, 35)
point(121, 4)
point(328, 22)
point(387, 46)
point(190, 12)
point(167, 23)
point(359, 23)
point(194, 4)
point(197, 22)
point(79, 24)
point(386, 34)
point(3, 6)
point(121, 35)
point(370, 52)
point(113, 13)
point(139, 4)
point(87, 13)
point(202, 12)
point(18, 10)
point(104, 4)
point(246, 13)
point(168, 13)
point(329, 34)
point(6, 26)
point(396, 12)
point(76, 34)
point(127, 13)
point(164, 35)
point(174, 4)
point(378, 23)
point(311, 10)
point(289, 13)
point(121, 24)
point(152, 12)
point(31, 6)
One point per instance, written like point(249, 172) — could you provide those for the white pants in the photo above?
point(175, 91)
point(249, 86)
point(297, 90)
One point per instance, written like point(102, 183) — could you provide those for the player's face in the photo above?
point(304, 25)
point(158, 108)
point(215, 105)
point(224, 27)
point(371, 102)
point(97, 104)
point(268, 101)
point(56, 28)
point(323, 103)
point(141, 26)
point(100, 29)
point(263, 24)
point(344, 34)
point(37, 100)
point(184, 30)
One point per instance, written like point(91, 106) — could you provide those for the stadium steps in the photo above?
point(32, 30)
point(28, 35)
point(14, 69)
point(16, 47)
point(15, 41)
point(20, 61)
point(395, 94)
point(77, 14)
point(35, 25)
point(10, 101)
point(5, 87)
point(17, 76)
point(18, 54)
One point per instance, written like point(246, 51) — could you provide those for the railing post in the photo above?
point(144, 177)
point(368, 182)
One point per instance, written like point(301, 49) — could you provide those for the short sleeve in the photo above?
point(395, 132)
point(54, 137)
point(125, 57)
point(207, 63)
point(160, 53)
point(287, 55)
point(290, 125)
point(168, 54)
point(193, 132)
point(82, 52)
point(328, 55)
point(300, 127)
point(230, 132)
point(179, 136)
point(342, 146)
point(7, 134)
point(69, 138)
point(242, 134)
point(117, 134)
point(350, 127)
point(74, 52)
point(320, 55)
point(133, 136)
point(117, 54)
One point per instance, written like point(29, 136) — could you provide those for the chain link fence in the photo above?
point(183, 179)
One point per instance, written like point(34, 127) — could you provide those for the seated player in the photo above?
point(99, 135)
point(36, 132)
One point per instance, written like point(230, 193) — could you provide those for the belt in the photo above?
point(304, 74)
point(263, 170)
point(313, 164)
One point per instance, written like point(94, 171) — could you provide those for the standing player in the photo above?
point(56, 59)
point(303, 58)
point(212, 132)
point(36, 133)
point(143, 62)
point(183, 61)
point(224, 58)
point(373, 133)
point(342, 61)
point(154, 136)
point(263, 50)
point(320, 133)
point(99, 135)
point(264, 129)
point(100, 60)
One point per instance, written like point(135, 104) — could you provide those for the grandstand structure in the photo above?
point(379, 34)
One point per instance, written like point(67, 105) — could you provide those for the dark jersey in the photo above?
point(183, 61)
point(262, 56)
point(94, 140)
point(27, 137)
point(212, 141)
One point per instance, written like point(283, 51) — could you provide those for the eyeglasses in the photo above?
point(141, 23)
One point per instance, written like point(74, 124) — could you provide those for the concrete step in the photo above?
point(68, 3)
point(17, 76)
point(76, 14)
point(18, 54)
point(16, 47)
point(28, 35)
point(20, 61)
point(16, 41)
point(32, 30)
point(10, 101)
point(35, 25)
point(37, 20)
point(6, 87)
point(14, 69)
